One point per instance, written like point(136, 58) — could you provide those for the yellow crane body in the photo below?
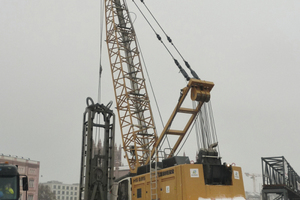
point(184, 182)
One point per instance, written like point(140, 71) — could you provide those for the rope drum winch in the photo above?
point(200, 93)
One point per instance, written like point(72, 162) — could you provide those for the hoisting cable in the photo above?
point(206, 126)
point(152, 90)
point(154, 96)
point(98, 120)
point(208, 130)
point(100, 49)
point(204, 121)
point(197, 127)
point(159, 38)
point(171, 42)
point(213, 126)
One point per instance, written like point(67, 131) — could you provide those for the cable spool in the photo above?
point(200, 95)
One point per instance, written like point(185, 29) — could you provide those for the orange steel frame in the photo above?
point(200, 91)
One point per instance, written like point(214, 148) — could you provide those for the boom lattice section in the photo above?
point(135, 115)
point(279, 178)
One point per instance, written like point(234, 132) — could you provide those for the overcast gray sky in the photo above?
point(49, 58)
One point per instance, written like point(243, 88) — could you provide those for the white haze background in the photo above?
point(49, 64)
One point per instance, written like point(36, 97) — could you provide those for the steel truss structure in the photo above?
point(133, 105)
point(279, 178)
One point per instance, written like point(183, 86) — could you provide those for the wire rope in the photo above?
point(197, 127)
point(214, 126)
point(171, 42)
point(151, 86)
point(160, 39)
point(98, 118)
point(101, 18)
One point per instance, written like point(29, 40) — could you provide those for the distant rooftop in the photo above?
point(18, 158)
point(58, 182)
point(54, 182)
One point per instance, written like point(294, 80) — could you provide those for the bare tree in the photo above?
point(45, 193)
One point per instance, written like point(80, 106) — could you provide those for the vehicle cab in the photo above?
point(10, 182)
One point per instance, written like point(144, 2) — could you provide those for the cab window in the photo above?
point(123, 190)
point(8, 187)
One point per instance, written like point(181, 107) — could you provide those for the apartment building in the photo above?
point(64, 191)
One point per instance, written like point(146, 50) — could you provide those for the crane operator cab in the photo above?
point(10, 182)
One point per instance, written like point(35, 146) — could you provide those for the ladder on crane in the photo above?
point(153, 176)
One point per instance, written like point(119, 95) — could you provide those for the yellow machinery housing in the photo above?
point(182, 182)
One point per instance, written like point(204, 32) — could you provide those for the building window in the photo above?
point(63, 197)
point(75, 188)
point(75, 198)
point(58, 192)
point(58, 197)
point(59, 187)
point(54, 186)
point(30, 197)
point(67, 193)
point(75, 193)
point(67, 198)
point(62, 192)
point(21, 170)
point(63, 187)
point(71, 188)
point(71, 193)
point(31, 183)
point(71, 198)
point(54, 191)
point(67, 187)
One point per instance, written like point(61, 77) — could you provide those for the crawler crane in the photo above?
point(152, 177)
